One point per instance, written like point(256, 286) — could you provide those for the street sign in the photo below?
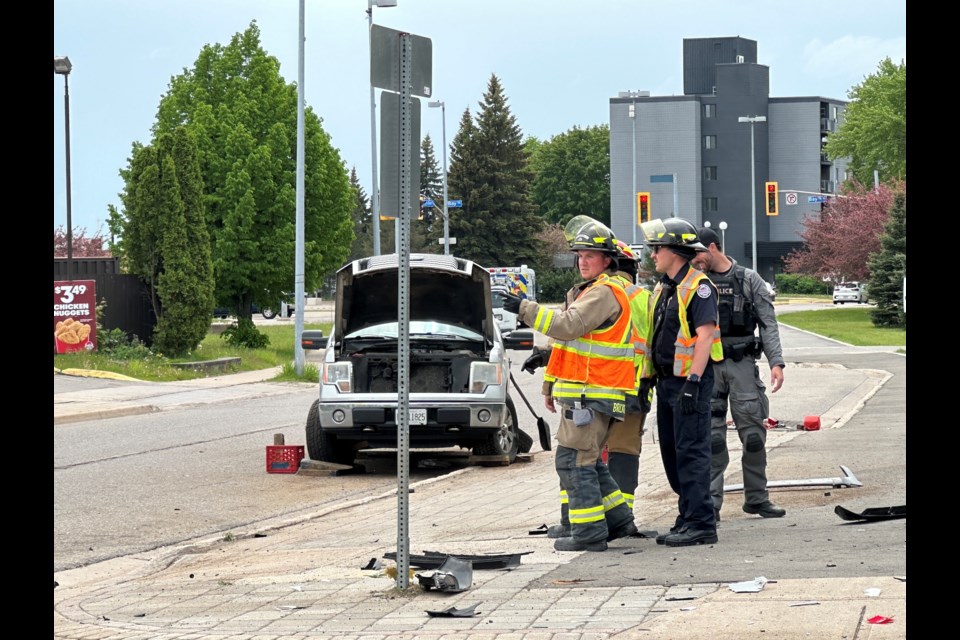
point(452, 241)
point(428, 203)
point(454, 203)
point(812, 199)
point(668, 177)
point(790, 198)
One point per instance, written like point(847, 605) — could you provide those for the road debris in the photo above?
point(750, 586)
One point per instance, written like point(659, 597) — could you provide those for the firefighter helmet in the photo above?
point(595, 236)
point(672, 232)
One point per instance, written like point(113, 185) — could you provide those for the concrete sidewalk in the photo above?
point(218, 589)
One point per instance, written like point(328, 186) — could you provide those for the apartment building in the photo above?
point(693, 153)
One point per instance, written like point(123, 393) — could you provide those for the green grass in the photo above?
point(152, 367)
point(851, 326)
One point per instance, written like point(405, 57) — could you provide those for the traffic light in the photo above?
point(773, 192)
point(643, 206)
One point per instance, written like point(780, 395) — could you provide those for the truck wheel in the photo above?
point(269, 314)
point(323, 446)
point(506, 441)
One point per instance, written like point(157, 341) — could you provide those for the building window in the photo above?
point(709, 111)
point(833, 112)
point(709, 173)
point(709, 142)
point(710, 204)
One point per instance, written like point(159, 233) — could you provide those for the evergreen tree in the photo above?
point(498, 224)
point(362, 221)
point(166, 242)
point(243, 116)
point(888, 267)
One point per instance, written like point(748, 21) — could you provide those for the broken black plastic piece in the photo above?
point(453, 612)
point(433, 559)
point(373, 564)
point(539, 531)
point(873, 513)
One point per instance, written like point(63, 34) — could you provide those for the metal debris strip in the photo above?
point(453, 576)
point(539, 531)
point(433, 559)
point(847, 480)
point(805, 603)
point(453, 612)
point(873, 513)
point(750, 586)
point(374, 564)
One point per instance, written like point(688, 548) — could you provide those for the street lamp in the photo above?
point(62, 66)
point(751, 120)
point(723, 234)
point(375, 195)
point(633, 121)
point(446, 219)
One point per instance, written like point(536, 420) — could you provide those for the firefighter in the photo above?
point(684, 345)
point(745, 306)
point(588, 376)
point(625, 442)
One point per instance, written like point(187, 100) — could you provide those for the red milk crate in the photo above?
point(284, 458)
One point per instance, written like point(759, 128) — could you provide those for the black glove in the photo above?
point(536, 360)
point(511, 302)
point(689, 394)
point(646, 387)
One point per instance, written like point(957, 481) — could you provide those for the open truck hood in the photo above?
point(442, 288)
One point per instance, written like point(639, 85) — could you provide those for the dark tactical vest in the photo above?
point(737, 317)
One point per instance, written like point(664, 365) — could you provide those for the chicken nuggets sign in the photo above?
point(74, 316)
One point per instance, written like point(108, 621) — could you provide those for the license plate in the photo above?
point(418, 416)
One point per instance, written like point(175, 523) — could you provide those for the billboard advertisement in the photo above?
point(74, 316)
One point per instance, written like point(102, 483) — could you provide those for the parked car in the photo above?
point(849, 292)
point(458, 367)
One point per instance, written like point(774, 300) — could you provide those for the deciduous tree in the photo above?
point(82, 244)
point(244, 117)
point(572, 175)
point(838, 243)
point(874, 130)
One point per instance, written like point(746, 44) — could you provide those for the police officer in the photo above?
point(588, 375)
point(625, 442)
point(745, 306)
point(685, 343)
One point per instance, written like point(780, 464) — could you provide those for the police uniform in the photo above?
point(590, 396)
point(744, 306)
point(684, 438)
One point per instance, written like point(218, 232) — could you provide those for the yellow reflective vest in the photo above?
point(683, 354)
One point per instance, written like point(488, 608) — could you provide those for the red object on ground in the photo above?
point(771, 423)
point(880, 620)
point(811, 423)
point(284, 458)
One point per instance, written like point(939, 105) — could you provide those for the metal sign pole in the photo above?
point(403, 324)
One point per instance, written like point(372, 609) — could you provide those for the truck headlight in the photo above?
point(339, 374)
point(484, 374)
